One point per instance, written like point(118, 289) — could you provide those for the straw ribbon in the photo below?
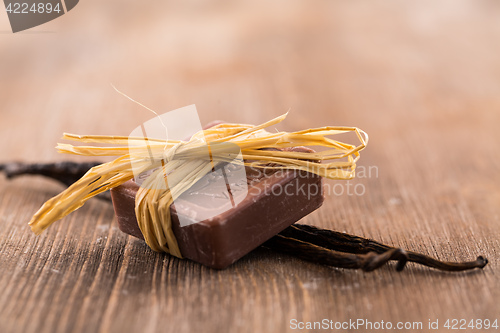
point(186, 162)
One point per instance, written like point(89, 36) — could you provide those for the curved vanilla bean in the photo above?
point(310, 252)
point(64, 172)
point(354, 244)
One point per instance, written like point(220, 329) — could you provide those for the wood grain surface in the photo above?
point(421, 78)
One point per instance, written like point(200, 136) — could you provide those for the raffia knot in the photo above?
point(169, 154)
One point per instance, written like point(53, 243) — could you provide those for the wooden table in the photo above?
point(422, 79)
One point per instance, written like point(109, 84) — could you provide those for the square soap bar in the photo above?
point(275, 200)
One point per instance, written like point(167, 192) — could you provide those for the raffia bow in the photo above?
point(185, 162)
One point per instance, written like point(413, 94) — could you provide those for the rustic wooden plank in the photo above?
point(423, 79)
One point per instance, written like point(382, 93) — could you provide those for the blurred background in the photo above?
point(395, 66)
point(422, 78)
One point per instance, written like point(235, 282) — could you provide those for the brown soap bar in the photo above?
point(275, 200)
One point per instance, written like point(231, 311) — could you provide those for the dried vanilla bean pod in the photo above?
point(64, 172)
point(354, 244)
point(311, 252)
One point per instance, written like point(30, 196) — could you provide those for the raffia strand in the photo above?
point(189, 163)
